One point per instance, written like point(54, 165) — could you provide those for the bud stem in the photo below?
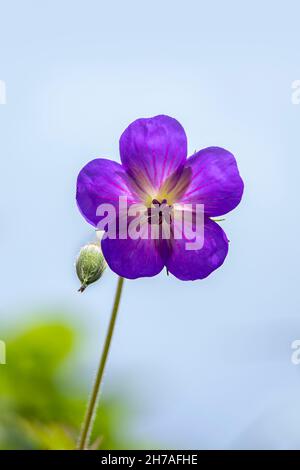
point(82, 288)
point(87, 424)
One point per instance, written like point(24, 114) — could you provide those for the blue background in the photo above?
point(208, 364)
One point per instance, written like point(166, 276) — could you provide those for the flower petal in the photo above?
point(102, 181)
point(153, 149)
point(214, 181)
point(134, 258)
point(189, 265)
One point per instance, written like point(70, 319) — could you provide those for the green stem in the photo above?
point(87, 424)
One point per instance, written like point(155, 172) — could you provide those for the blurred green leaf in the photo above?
point(41, 406)
point(50, 436)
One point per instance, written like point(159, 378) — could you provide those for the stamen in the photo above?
point(157, 214)
point(156, 202)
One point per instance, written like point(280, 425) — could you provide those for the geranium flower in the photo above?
point(155, 171)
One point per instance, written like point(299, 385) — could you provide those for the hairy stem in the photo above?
point(87, 424)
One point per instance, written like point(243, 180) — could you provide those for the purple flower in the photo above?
point(155, 170)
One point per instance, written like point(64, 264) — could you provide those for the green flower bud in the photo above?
point(90, 265)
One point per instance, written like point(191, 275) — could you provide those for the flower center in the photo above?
point(159, 212)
